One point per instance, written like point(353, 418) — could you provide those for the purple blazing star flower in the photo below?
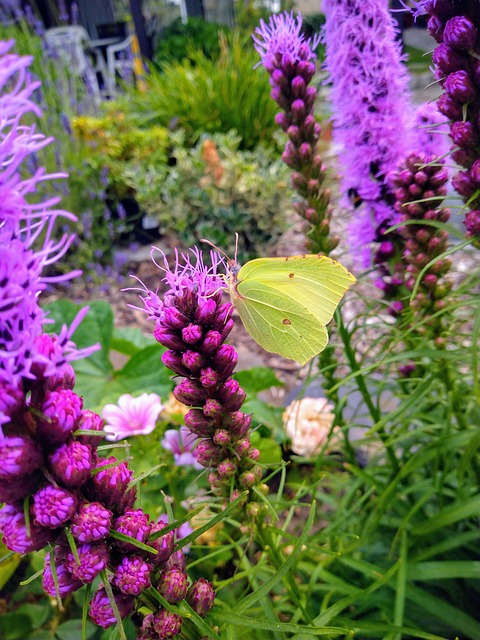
point(282, 36)
point(372, 115)
point(181, 442)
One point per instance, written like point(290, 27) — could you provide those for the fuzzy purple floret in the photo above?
point(19, 456)
point(173, 585)
point(134, 523)
point(93, 560)
point(201, 596)
point(72, 463)
point(110, 485)
point(160, 626)
point(132, 575)
point(53, 506)
point(61, 412)
point(92, 523)
point(67, 584)
point(164, 544)
point(101, 611)
point(15, 535)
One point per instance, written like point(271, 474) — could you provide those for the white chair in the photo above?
point(71, 45)
point(119, 60)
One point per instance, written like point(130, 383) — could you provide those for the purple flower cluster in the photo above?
point(193, 324)
point(372, 115)
point(289, 58)
point(455, 26)
point(419, 185)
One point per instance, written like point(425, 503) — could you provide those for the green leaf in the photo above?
point(256, 623)
point(14, 626)
point(257, 379)
point(72, 630)
point(264, 413)
point(270, 451)
point(454, 513)
point(443, 570)
point(8, 565)
point(130, 340)
point(254, 597)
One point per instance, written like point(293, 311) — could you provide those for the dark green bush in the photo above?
point(179, 40)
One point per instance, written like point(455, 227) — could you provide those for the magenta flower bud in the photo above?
point(254, 454)
point(298, 111)
point(53, 507)
point(90, 421)
point(198, 423)
point(93, 559)
point(208, 378)
point(211, 342)
point(450, 108)
point(436, 27)
point(299, 86)
point(19, 456)
point(173, 361)
point(449, 60)
point(460, 86)
point(201, 596)
point(67, 584)
point(212, 408)
point(281, 119)
point(242, 446)
point(226, 468)
point(132, 575)
point(192, 333)
point(475, 172)
point(134, 523)
point(293, 132)
point(207, 453)
point(61, 413)
point(472, 223)
point(205, 312)
point(101, 611)
point(239, 423)
point(247, 479)
point(460, 33)
point(438, 179)
point(193, 360)
point(110, 485)
point(223, 315)
point(221, 437)
point(430, 280)
point(231, 395)
point(306, 152)
point(177, 561)
point(228, 326)
point(279, 78)
point(173, 585)
point(72, 464)
point(161, 625)
point(168, 338)
point(164, 545)
point(464, 157)
point(225, 361)
point(92, 523)
point(14, 530)
point(190, 392)
point(306, 69)
point(173, 318)
point(17, 488)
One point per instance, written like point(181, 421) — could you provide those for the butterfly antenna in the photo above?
point(215, 247)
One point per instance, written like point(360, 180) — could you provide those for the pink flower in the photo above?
point(131, 416)
point(181, 442)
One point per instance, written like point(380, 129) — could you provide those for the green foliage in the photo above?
point(203, 95)
point(215, 190)
point(179, 40)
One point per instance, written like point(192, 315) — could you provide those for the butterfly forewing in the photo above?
point(316, 282)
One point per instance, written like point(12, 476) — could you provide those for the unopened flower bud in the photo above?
point(193, 360)
point(205, 312)
point(192, 333)
point(221, 437)
point(226, 468)
point(173, 361)
point(460, 33)
point(211, 342)
point(212, 408)
point(201, 597)
point(168, 338)
point(207, 453)
point(173, 318)
point(190, 392)
point(198, 423)
point(173, 585)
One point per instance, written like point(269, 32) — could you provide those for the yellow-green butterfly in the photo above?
point(285, 303)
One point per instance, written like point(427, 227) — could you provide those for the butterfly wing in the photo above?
point(278, 323)
point(314, 282)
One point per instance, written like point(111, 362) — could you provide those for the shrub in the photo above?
point(179, 40)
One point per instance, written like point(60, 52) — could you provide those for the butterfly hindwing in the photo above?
point(278, 323)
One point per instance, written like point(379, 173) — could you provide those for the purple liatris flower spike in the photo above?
point(92, 523)
point(192, 309)
point(289, 58)
point(101, 611)
point(134, 523)
point(201, 596)
point(53, 506)
point(132, 575)
point(160, 625)
point(132, 416)
point(455, 26)
point(372, 116)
